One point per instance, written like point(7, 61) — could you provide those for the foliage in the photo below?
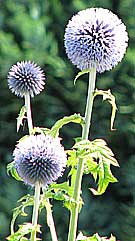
point(23, 230)
point(34, 30)
point(98, 158)
point(95, 237)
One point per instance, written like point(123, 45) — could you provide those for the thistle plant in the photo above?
point(95, 41)
point(26, 79)
point(39, 159)
point(95, 38)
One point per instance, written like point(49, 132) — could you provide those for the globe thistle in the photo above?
point(95, 37)
point(39, 159)
point(26, 77)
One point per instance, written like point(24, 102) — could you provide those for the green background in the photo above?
point(34, 30)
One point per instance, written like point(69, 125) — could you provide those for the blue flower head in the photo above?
point(95, 37)
point(26, 77)
point(39, 159)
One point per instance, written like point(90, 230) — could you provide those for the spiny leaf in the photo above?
point(85, 71)
point(20, 117)
point(72, 163)
point(23, 230)
point(61, 192)
point(20, 210)
point(12, 170)
point(98, 158)
point(95, 237)
point(111, 99)
point(76, 118)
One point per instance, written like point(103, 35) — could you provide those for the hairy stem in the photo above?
point(35, 211)
point(50, 221)
point(79, 173)
point(28, 111)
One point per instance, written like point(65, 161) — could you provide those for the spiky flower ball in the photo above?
point(26, 77)
point(39, 159)
point(95, 37)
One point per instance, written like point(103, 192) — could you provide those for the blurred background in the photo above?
point(34, 30)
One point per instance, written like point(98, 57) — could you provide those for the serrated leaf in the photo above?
point(72, 158)
point(76, 118)
point(98, 159)
point(102, 147)
point(63, 187)
point(61, 192)
point(12, 170)
point(95, 237)
point(23, 230)
point(26, 201)
point(72, 163)
point(20, 117)
point(85, 71)
point(104, 176)
point(91, 166)
point(107, 95)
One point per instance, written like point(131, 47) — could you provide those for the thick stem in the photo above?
point(79, 173)
point(89, 105)
point(35, 211)
point(28, 111)
point(50, 222)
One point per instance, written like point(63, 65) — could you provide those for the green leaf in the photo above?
point(23, 230)
point(111, 99)
point(95, 237)
point(40, 130)
point(60, 192)
point(72, 163)
point(62, 187)
point(76, 118)
point(20, 210)
point(98, 159)
point(12, 170)
point(20, 117)
point(85, 71)
point(104, 177)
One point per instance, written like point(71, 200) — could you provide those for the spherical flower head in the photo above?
point(95, 37)
point(39, 159)
point(26, 77)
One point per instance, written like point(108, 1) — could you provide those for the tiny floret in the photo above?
point(26, 77)
point(39, 159)
point(95, 37)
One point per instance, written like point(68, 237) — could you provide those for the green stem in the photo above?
point(50, 222)
point(28, 111)
point(37, 185)
point(35, 211)
point(79, 173)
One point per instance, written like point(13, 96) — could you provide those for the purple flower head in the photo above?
point(95, 37)
point(39, 159)
point(26, 77)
